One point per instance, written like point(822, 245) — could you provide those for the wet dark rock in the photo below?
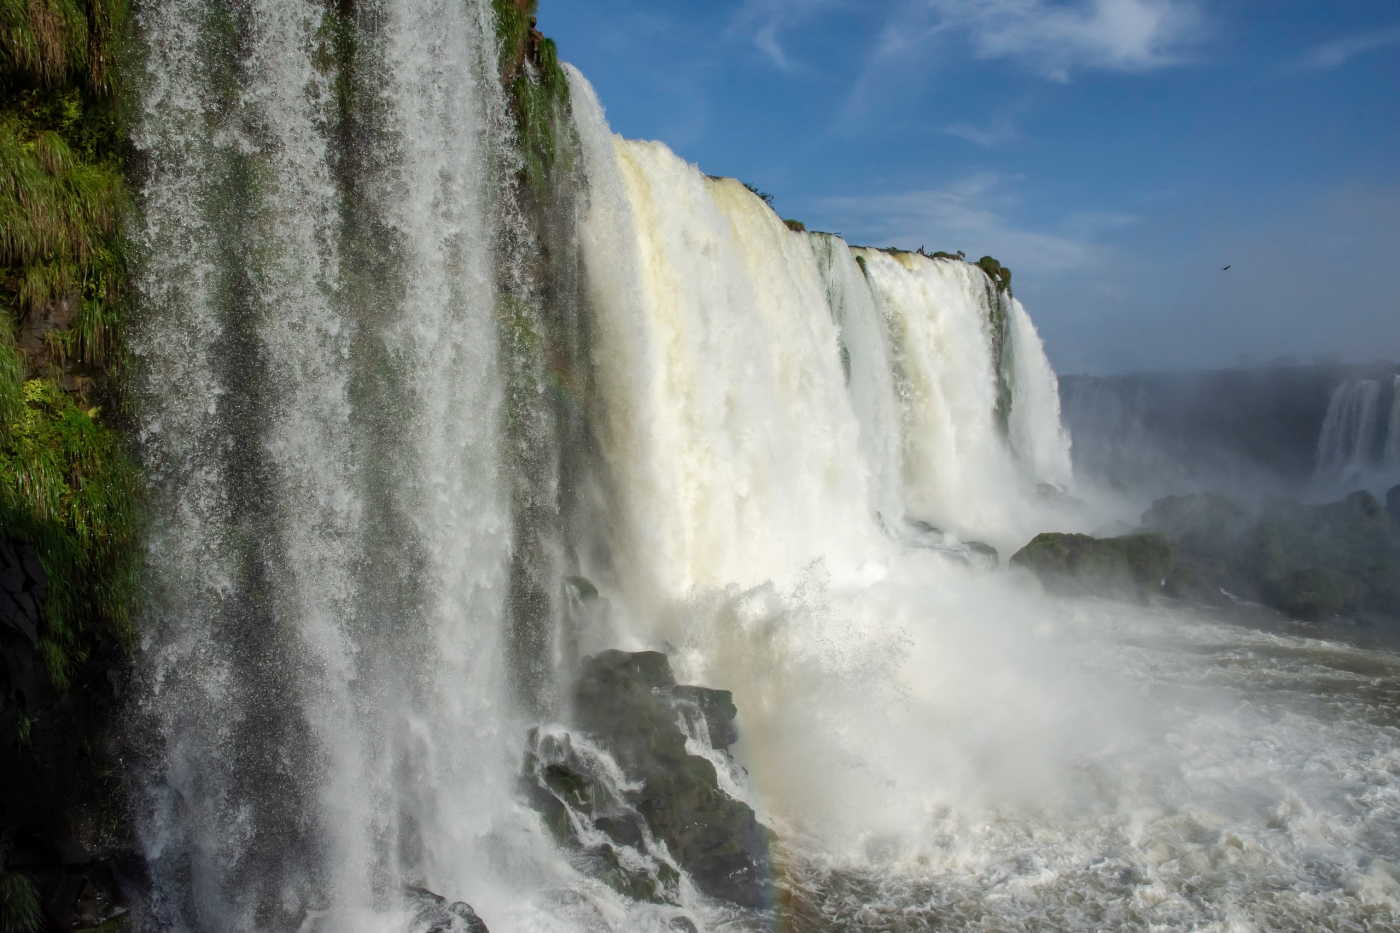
point(979, 554)
point(627, 702)
point(631, 706)
point(717, 709)
point(433, 914)
point(578, 799)
point(985, 551)
point(61, 804)
point(1132, 566)
point(1314, 594)
point(1203, 525)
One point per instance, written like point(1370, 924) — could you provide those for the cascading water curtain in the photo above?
point(1359, 444)
point(321, 413)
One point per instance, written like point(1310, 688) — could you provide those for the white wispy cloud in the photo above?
point(1337, 53)
point(998, 132)
point(762, 22)
point(1055, 38)
point(972, 215)
point(1050, 38)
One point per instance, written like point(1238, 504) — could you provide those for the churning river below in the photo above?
point(1262, 793)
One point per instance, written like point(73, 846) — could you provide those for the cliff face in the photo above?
point(67, 486)
point(68, 483)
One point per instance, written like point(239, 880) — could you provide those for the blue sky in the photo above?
point(1114, 153)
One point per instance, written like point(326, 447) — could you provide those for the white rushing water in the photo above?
point(1359, 445)
point(330, 540)
point(794, 440)
point(939, 748)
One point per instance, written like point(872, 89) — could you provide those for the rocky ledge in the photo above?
point(1132, 566)
point(432, 913)
point(620, 789)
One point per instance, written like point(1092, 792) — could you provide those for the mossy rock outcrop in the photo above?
point(1314, 593)
point(630, 705)
point(1131, 566)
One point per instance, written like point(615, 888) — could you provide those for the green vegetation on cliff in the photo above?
point(999, 274)
point(539, 90)
point(66, 484)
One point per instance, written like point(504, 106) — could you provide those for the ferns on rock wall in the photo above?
point(66, 483)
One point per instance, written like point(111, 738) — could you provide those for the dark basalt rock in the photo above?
point(1314, 594)
point(717, 708)
point(564, 786)
point(629, 703)
point(985, 551)
point(62, 817)
point(1203, 525)
point(1132, 566)
point(433, 914)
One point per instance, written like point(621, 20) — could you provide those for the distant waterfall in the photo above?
point(1359, 445)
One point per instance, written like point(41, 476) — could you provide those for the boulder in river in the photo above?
point(433, 914)
point(623, 791)
point(1131, 566)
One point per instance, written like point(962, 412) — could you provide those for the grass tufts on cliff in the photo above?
point(539, 89)
point(67, 485)
point(51, 42)
point(19, 896)
point(58, 219)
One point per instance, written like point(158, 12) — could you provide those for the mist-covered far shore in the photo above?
point(1313, 432)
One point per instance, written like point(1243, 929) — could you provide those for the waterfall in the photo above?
point(1390, 460)
point(958, 347)
point(768, 393)
point(427, 417)
point(728, 430)
point(1359, 444)
point(321, 413)
point(1037, 434)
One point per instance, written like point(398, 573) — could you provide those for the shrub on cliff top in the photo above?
point(999, 274)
